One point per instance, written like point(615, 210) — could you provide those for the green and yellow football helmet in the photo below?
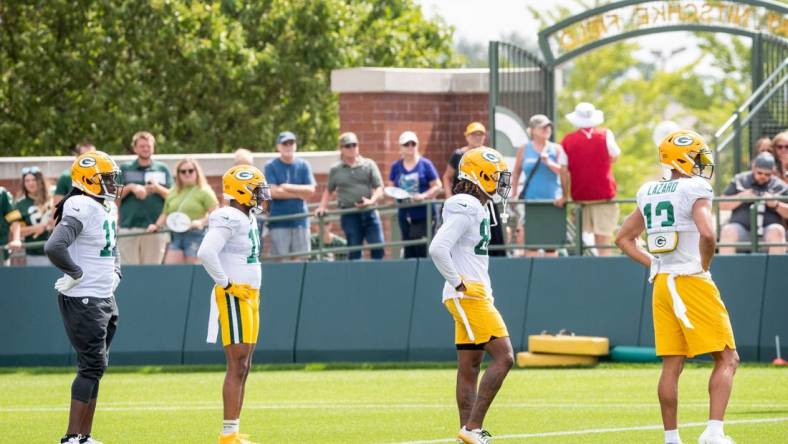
point(96, 174)
point(686, 152)
point(247, 185)
point(486, 168)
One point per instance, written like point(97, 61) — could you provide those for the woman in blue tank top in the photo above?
point(542, 164)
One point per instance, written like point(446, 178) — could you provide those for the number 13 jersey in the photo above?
point(94, 249)
point(666, 207)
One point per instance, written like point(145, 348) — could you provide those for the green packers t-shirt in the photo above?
point(192, 200)
point(33, 215)
point(136, 213)
point(10, 215)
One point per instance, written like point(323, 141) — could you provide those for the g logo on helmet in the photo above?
point(492, 157)
point(683, 140)
point(244, 175)
point(660, 241)
point(87, 162)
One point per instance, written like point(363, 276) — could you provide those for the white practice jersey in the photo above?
point(94, 248)
point(673, 237)
point(239, 257)
point(459, 249)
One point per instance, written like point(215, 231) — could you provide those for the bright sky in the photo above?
point(485, 20)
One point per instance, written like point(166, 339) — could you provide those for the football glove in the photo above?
point(241, 291)
point(66, 283)
point(474, 289)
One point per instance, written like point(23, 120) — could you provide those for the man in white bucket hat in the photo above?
point(591, 151)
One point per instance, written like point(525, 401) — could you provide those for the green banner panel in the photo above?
point(591, 296)
point(432, 328)
point(280, 297)
point(510, 279)
point(544, 223)
point(775, 309)
point(32, 328)
point(355, 310)
point(152, 302)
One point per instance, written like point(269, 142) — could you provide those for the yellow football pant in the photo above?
point(239, 318)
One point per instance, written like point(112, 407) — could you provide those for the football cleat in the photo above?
point(72, 440)
point(87, 439)
point(715, 439)
point(234, 438)
point(475, 436)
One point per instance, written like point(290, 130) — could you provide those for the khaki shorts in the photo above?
point(600, 218)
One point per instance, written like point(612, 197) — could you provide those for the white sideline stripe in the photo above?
point(605, 430)
point(211, 405)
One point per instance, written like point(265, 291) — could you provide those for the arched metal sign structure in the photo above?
point(764, 22)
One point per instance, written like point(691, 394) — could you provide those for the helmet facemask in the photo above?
point(703, 164)
point(111, 188)
point(261, 199)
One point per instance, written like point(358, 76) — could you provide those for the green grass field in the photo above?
point(607, 404)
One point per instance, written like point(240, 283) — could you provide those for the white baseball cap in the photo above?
point(408, 136)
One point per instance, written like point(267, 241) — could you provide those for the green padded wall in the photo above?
point(775, 309)
point(544, 223)
point(31, 329)
point(592, 296)
point(280, 298)
point(510, 279)
point(355, 310)
point(431, 335)
point(152, 304)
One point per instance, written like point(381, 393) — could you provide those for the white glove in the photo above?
point(66, 283)
point(656, 264)
point(115, 281)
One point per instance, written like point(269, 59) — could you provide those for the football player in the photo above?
point(230, 254)
point(690, 318)
point(83, 247)
point(459, 252)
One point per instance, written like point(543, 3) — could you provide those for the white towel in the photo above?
point(678, 305)
point(213, 320)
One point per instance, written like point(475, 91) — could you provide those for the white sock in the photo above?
point(714, 427)
point(672, 436)
point(231, 426)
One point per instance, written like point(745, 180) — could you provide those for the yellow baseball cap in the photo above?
point(475, 127)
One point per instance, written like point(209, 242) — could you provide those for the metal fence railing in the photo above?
point(572, 244)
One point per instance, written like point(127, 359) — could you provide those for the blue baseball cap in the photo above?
point(284, 136)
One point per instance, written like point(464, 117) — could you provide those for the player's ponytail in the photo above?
point(59, 207)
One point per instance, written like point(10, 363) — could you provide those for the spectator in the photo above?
point(543, 164)
point(763, 144)
point(330, 240)
point(356, 182)
point(63, 185)
point(760, 181)
point(591, 151)
point(475, 133)
point(242, 156)
point(780, 146)
point(9, 226)
point(418, 176)
point(292, 183)
point(193, 198)
point(146, 184)
point(35, 206)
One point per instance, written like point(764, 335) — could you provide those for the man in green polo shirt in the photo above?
point(64, 181)
point(9, 225)
point(146, 184)
point(357, 184)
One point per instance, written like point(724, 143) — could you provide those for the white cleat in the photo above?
point(475, 436)
point(715, 439)
point(74, 440)
point(89, 440)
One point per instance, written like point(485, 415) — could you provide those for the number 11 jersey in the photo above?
point(240, 255)
point(673, 237)
point(94, 249)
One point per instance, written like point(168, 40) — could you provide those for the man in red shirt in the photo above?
point(591, 151)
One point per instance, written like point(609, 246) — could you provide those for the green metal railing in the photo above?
point(573, 243)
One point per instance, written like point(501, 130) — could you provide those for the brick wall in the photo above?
point(438, 119)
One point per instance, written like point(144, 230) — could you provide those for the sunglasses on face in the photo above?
point(186, 171)
point(781, 147)
point(31, 170)
point(350, 145)
point(409, 144)
point(288, 142)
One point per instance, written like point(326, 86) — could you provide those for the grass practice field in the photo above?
point(607, 404)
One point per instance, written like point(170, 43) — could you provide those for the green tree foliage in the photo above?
point(203, 76)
